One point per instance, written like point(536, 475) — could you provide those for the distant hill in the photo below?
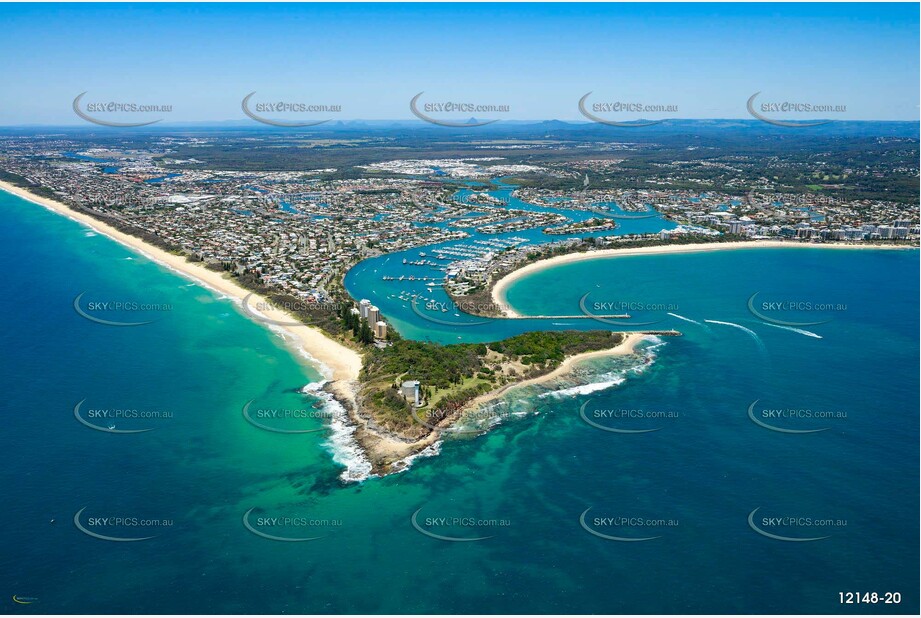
point(564, 129)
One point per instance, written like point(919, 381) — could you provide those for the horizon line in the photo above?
point(335, 122)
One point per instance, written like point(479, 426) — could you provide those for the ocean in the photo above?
point(654, 483)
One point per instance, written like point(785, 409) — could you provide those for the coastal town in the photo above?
point(436, 309)
point(299, 232)
point(453, 227)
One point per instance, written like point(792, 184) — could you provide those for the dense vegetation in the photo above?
point(540, 347)
point(19, 181)
point(457, 373)
point(845, 160)
point(430, 363)
point(441, 366)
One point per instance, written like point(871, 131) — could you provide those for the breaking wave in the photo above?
point(635, 364)
point(341, 442)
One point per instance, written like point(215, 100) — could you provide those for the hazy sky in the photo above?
point(538, 59)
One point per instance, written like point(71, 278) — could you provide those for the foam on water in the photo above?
point(681, 317)
point(585, 389)
point(341, 443)
point(614, 378)
point(801, 331)
point(749, 331)
point(322, 368)
point(344, 448)
point(406, 463)
point(492, 414)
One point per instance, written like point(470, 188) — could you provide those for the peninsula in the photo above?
point(448, 380)
point(277, 227)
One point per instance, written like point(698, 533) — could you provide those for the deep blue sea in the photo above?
point(653, 483)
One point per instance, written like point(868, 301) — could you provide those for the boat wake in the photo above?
point(681, 317)
point(749, 331)
point(801, 331)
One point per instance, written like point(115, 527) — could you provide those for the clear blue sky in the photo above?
point(537, 58)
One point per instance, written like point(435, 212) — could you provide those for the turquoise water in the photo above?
point(705, 468)
point(426, 321)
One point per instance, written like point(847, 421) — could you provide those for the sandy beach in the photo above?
point(624, 348)
point(388, 453)
point(500, 288)
point(338, 363)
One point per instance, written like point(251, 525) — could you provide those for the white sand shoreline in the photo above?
point(624, 348)
point(341, 365)
point(393, 454)
point(501, 287)
point(337, 362)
